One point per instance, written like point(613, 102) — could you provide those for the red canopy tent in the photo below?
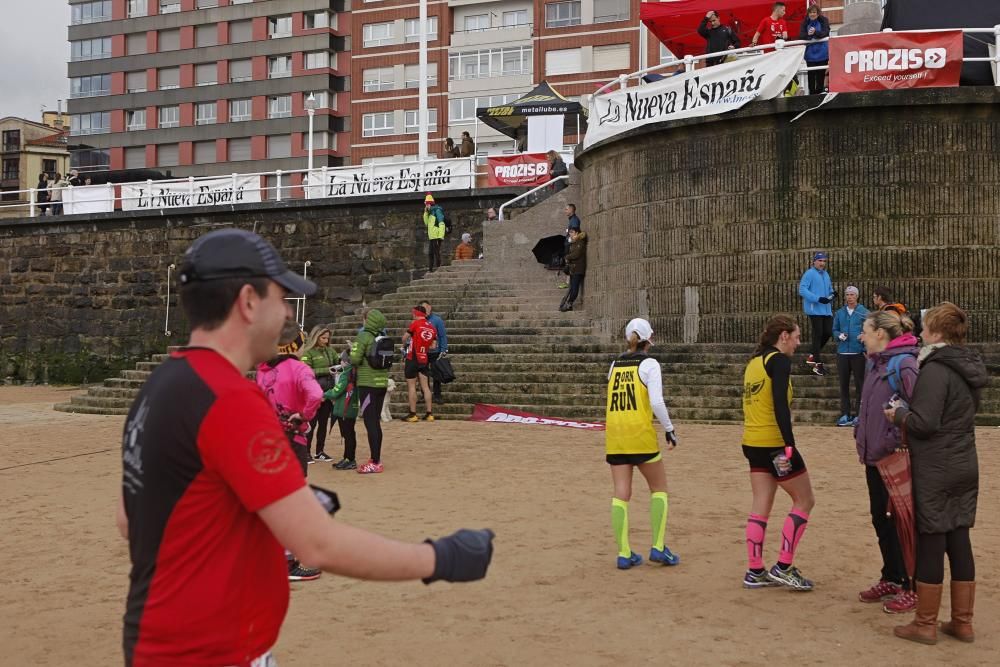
point(675, 22)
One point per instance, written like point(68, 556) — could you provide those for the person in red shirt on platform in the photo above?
point(211, 489)
point(417, 340)
point(771, 28)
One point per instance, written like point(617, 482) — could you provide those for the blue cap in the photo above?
point(819, 255)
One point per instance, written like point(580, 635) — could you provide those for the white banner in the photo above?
point(174, 194)
point(88, 199)
point(703, 92)
point(379, 179)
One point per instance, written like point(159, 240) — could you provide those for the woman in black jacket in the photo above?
point(940, 422)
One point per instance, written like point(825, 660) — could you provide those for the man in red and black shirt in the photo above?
point(211, 490)
point(771, 28)
point(418, 340)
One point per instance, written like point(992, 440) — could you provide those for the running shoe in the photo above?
point(883, 590)
point(844, 421)
point(790, 577)
point(810, 361)
point(758, 580)
point(563, 285)
point(345, 464)
point(625, 563)
point(412, 418)
point(310, 460)
point(323, 457)
point(370, 467)
point(298, 572)
point(903, 603)
point(428, 417)
point(854, 421)
point(819, 370)
point(665, 557)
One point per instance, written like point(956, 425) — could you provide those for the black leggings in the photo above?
point(349, 436)
point(822, 331)
point(931, 548)
point(371, 401)
point(816, 77)
point(848, 365)
point(320, 425)
point(893, 566)
point(433, 253)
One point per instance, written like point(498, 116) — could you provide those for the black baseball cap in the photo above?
point(237, 253)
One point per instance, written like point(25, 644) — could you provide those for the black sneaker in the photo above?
point(819, 370)
point(298, 572)
point(345, 464)
point(323, 457)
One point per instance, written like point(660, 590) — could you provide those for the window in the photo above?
point(49, 166)
point(240, 31)
point(137, 8)
point(515, 18)
point(612, 57)
point(170, 6)
point(204, 113)
point(379, 78)
point(135, 44)
point(204, 152)
point(206, 4)
point(240, 2)
point(168, 78)
point(324, 100)
point(411, 29)
point(167, 155)
point(90, 49)
point(377, 124)
point(90, 86)
point(279, 145)
point(98, 122)
point(279, 67)
point(240, 70)
point(477, 22)
point(206, 35)
point(239, 110)
point(135, 119)
point(90, 159)
point(239, 149)
point(563, 61)
point(377, 34)
point(169, 116)
point(135, 82)
point(11, 169)
point(317, 59)
point(169, 40)
point(91, 12)
point(411, 121)
point(666, 55)
point(411, 75)
point(463, 110)
point(279, 26)
point(562, 14)
point(315, 20)
point(279, 107)
point(606, 11)
point(135, 157)
point(206, 74)
point(12, 140)
point(509, 61)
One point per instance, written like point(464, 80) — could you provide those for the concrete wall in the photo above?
point(707, 225)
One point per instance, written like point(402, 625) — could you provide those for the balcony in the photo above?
point(461, 39)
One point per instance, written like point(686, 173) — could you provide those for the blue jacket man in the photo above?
point(816, 290)
point(847, 325)
point(440, 345)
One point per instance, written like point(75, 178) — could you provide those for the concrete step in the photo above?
point(89, 410)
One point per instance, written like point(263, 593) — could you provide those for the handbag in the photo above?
point(442, 371)
point(326, 382)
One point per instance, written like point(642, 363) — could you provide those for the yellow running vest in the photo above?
point(760, 428)
point(629, 417)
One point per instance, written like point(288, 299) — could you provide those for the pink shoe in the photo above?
point(903, 603)
point(370, 467)
point(881, 591)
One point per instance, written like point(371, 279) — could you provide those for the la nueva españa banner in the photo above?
point(703, 92)
point(175, 194)
point(892, 60)
point(496, 414)
point(521, 169)
point(378, 179)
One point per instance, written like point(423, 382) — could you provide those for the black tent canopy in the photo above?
point(510, 119)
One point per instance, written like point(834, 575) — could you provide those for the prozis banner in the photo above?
point(521, 169)
point(494, 413)
point(889, 60)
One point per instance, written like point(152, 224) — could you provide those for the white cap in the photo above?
point(640, 327)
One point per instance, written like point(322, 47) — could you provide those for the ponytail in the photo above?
point(775, 326)
point(635, 346)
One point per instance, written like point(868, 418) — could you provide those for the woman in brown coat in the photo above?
point(940, 422)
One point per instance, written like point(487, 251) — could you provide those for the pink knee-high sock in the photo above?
point(791, 533)
point(756, 527)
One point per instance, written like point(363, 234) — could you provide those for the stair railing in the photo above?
point(166, 320)
point(529, 193)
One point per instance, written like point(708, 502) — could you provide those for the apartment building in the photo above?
point(28, 148)
point(205, 87)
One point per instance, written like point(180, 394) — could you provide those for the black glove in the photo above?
point(672, 438)
point(462, 556)
point(824, 299)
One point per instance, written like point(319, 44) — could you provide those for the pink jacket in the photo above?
point(291, 387)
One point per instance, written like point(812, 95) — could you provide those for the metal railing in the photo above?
point(528, 194)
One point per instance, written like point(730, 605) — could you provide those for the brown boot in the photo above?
point(963, 599)
point(923, 628)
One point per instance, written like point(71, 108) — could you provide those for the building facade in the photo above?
point(205, 87)
point(28, 149)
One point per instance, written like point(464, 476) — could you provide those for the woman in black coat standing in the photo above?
point(940, 422)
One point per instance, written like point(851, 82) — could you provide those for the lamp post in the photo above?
point(310, 105)
point(422, 85)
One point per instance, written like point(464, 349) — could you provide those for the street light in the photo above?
point(310, 105)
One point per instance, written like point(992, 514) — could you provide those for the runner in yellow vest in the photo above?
point(635, 394)
point(769, 447)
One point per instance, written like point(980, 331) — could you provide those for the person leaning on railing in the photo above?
point(815, 27)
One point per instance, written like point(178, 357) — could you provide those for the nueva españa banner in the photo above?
point(380, 179)
point(521, 169)
point(703, 92)
point(494, 413)
point(888, 60)
point(174, 194)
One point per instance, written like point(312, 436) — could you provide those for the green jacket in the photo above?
point(344, 406)
point(368, 376)
point(434, 219)
point(320, 359)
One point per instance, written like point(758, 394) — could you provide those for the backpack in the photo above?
point(893, 374)
point(447, 224)
point(382, 353)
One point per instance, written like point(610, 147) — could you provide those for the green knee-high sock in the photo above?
point(658, 506)
point(619, 521)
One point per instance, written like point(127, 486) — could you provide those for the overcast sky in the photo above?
point(34, 51)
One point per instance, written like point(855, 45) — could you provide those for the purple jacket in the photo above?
point(876, 437)
point(290, 387)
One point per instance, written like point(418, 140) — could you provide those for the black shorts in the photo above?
point(412, 368)
point(630, 459)
point(761, 459)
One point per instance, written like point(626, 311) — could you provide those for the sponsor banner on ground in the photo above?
point(379, 179)
point(520, 169)
point(175, 194)
point(888, 60)
point(88, 199)
point(494, 413)
point(703, 92)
